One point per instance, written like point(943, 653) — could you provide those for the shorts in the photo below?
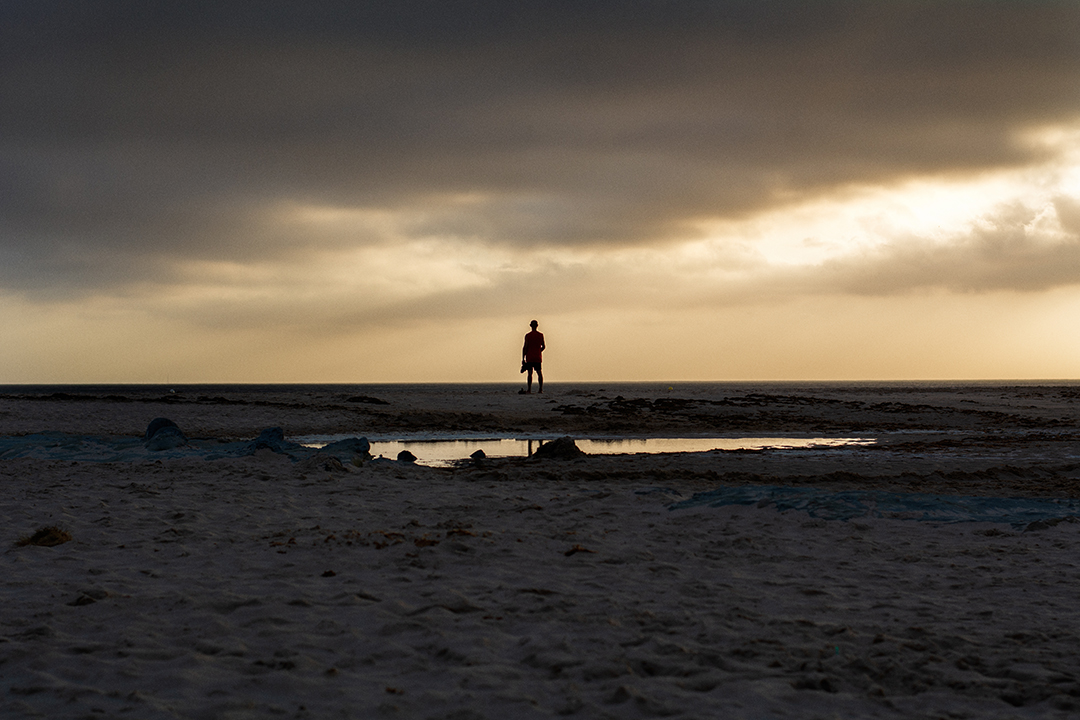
point(531, 366)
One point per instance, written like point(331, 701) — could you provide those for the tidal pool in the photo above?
point(446, 451)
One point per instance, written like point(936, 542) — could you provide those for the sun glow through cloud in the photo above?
point(675, 191)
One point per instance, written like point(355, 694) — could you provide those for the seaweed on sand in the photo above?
point(50, 536)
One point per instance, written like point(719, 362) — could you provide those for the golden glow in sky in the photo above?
point(698, 191)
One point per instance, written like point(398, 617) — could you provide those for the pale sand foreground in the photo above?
point(256, 587)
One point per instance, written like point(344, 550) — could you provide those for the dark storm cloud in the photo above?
point(133, 133)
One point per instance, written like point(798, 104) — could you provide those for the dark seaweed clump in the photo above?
point(45, 537)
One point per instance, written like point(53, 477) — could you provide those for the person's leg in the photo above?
point(529, 370)
point(539, 379)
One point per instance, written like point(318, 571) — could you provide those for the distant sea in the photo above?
point(552, 386)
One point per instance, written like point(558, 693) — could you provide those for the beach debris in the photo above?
point(578, 549)
point(563, 448)
point(163, 434)
point(50, 536)
point(406, 456)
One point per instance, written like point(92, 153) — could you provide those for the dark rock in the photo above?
point(406, 456)
point(157, 424)
point(562, 449)
point(349, 446)
point(478, 455)
point(272, 439)
point(166, 438)
point(163, 434)
point(271, 435)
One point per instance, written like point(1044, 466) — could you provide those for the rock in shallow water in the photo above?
point(269, 439)
point(164, 434)
point(166, 439)
point(156, 425)
point(562, 449)
point(359, 447)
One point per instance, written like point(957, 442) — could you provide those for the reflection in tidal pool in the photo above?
point(444, 452)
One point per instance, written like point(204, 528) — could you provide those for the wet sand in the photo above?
point(256, 586)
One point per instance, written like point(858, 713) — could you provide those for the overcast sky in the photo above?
point(390, 191)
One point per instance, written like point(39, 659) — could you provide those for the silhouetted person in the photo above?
point(531, 355)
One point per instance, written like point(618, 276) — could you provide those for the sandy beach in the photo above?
point(262, 585)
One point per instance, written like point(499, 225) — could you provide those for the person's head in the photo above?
point(533, 324)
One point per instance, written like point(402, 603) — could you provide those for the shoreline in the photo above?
point(1022, 441)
